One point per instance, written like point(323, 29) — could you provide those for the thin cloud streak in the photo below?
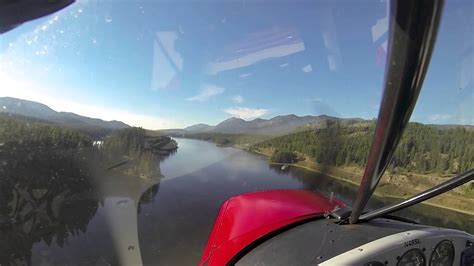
point(246, 113)
point(206, 93)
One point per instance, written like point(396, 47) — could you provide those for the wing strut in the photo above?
point(412, 33)
point(426, 195)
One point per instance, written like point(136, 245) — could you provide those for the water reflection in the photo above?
point(278, 168)
point(64, 207)
point(321, 183)
point(44, 196)
point(175, 221)
point(69, 206)
point(421, 213)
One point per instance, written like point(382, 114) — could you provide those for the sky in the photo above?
point(171, 64)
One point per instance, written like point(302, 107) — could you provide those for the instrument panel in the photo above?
point(427, 246)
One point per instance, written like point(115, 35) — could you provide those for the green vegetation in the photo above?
point(425, 156)
point(16, 132)
point(422, 149)
point(45, 195)
point(129, 141)
point(21, 134)
point(49, 178)
point(229, 139)
point(129, 144)
point(279, 156)
point(45, 188)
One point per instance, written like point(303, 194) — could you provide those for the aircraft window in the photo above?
point(124, 125)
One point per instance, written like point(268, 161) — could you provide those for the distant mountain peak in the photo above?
point(232, 120)
point(198, 128)
point(286, 116)
point(41, 111)
point(277, 125)
point(28, 108)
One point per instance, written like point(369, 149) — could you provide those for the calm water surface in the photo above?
point(173, 228)
point(176, 213)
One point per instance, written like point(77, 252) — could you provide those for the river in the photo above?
point(176, 214)
point(182, 214)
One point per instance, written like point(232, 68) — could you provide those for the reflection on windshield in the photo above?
point(55, 180)
point(124, 125)
point(45, 196)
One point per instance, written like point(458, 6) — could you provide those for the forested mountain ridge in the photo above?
point(422, 149)
point(280, 125)
point(276, 126)
point(93, 132)
point(22, 135)
point(25, 132)
point(54, 178)
point(38, 110)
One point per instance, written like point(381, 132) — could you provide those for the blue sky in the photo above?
point(167, 64)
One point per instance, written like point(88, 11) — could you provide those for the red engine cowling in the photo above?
point(245, 218)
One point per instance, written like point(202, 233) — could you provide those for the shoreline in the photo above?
point(352, 182)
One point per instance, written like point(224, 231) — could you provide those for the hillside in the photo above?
point(282, 125)
point(41, 111)
point(426, 156)
point(198, 128)
point(422, 149)
point(276, 126)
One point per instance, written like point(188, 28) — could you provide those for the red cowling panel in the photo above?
point(247, 217)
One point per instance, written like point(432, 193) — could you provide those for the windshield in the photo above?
point(125, 125)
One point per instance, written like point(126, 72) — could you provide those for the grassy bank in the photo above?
point(392, 185)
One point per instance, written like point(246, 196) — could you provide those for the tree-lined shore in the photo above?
point(425, 156)
point(54, 178)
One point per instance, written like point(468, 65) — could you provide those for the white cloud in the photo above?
point(307, 69)
point(284, 65)
point(439, 117)
point(246, 113)
point(206, 92)
point(237, 99)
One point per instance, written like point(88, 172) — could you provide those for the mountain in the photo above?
point(278, 125)
point(232, 125)
point(41, 111)
point(176, 132)
point(449, 126)
point(198, 128)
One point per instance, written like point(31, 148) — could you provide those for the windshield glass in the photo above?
point(125, 125)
